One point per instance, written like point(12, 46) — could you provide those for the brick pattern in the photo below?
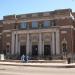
point(56, 15)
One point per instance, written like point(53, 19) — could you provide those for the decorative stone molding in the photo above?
point(9, 21)
point(34, 37)
point(36, 31)
point(63, 32)
point(67, 26)
point(8, 35)
point(23, 16)
point(5, 31)
point(34, 15)
point(8, 43)
point(46, 14)
point(22, 42)
point(22, 37)
point(47, 36)
point(64, 41)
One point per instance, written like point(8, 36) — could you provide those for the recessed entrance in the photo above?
point(34, 50)
point(64, 47)
point(22, 50)
point(47, 50)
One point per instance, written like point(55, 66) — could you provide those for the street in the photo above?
point(23, 70)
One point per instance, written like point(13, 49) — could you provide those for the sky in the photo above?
point(10, 7)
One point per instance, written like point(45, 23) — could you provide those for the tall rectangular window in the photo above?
point(52, 23)
point(46, 23)
point(23, 25)
point(34, 24)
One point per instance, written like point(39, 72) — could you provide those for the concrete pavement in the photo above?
point(39, 64)
point(22, 70)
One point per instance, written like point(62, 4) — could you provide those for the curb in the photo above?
point(41, 65)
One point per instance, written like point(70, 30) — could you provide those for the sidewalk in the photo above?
point(50, 65)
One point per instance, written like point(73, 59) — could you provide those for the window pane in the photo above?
point(23, 25)
point(34, 24)
point(52, 23)
point(46, 23)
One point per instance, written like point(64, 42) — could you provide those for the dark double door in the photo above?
point(22, 50)
point(47, 50)
point(34, 50)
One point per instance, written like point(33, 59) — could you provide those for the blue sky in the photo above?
point(8, 7)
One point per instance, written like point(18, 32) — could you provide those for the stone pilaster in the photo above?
point(28, 45)
point(16, 50)
point(40, 45)
point(57, 43)
point(53, 43)
point(12, 45)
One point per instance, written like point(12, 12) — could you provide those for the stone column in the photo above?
point(27, 47)
point(18, 47)
point(43, 47)
point(13, 44)
point(40, 45)
point(30, 47)
point(53, 43)
point(16, 50)
point(57, 43)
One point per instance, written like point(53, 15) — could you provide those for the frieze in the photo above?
point(22, 37)
point(34, 37)
point(47, 36)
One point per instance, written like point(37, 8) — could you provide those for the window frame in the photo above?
point(34, 25)
point(23, 25)
point(46, 23)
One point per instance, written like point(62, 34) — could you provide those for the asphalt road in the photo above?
point(22, 70)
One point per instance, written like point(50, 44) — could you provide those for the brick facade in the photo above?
point(61, 19)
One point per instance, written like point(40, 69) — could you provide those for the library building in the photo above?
point(39, 35)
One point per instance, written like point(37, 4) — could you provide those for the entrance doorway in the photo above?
point(22, 50)
point(34, 50)
point(64, 46)
point(47, 50)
